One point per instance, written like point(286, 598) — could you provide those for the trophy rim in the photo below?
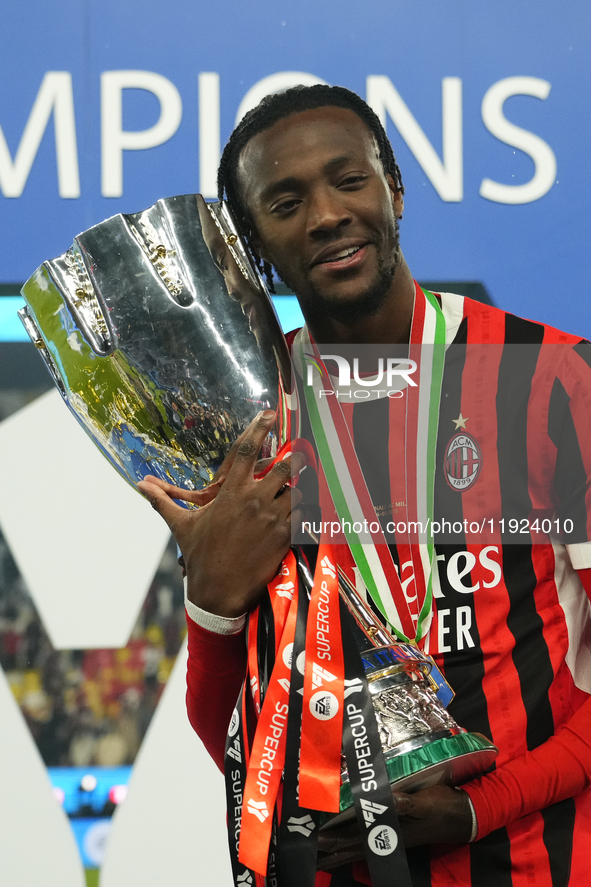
point(454, 760)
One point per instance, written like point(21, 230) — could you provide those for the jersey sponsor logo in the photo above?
point(463, 462)
point(304, 825)
point(258, 809)
point(323, 705)
point(467, 575)
point(382, 840)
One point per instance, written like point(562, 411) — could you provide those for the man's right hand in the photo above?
point(234, 544)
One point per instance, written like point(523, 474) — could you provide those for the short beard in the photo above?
point(367, 304)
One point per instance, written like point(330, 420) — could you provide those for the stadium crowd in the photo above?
point(87, 707)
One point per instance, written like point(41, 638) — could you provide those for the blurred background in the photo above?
point(107, 106)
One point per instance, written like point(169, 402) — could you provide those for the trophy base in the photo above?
point(448, 761)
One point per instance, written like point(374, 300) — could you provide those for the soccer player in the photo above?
point(312, 180)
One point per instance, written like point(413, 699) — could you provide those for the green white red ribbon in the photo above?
point(345, 480)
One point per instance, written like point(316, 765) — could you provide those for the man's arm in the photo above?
point(560, 768)
point(232, 546)
point(215, 671)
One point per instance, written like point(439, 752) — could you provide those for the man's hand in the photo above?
point(205, 495)
point(234, 544)
point(438, 815)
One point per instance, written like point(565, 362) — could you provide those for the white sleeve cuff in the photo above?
point(211, 622)
point(474, 831)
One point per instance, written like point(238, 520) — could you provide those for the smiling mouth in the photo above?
point(341, 256)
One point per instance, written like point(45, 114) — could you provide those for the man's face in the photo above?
point(323, 211)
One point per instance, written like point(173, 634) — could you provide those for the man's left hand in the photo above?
point(438, 815)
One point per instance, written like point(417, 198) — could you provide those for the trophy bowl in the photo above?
point(162, 347)
point(422, 744)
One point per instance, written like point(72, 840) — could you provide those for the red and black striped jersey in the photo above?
point(512, 624)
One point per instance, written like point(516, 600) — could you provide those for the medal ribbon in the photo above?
point(368, 777)
point(298, 838)
point(322, 713)
point(235, 769)
point(268, 750)
point(423, 402)
point(253, 663)
point(347, 485)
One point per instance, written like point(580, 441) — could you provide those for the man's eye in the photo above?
point(285, 206)
point(356, 179)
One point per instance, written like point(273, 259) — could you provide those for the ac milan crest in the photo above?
point(463, 461)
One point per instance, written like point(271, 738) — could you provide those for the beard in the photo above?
point(366, 304)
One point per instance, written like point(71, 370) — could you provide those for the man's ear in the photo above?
point(396, 196)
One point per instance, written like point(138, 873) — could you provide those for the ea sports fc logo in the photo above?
point(463, 461)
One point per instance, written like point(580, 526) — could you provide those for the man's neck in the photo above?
point(389, 325)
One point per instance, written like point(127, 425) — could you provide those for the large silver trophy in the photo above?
point(161, 336)
point(162, 359)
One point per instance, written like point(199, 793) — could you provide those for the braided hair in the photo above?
point(266, 114)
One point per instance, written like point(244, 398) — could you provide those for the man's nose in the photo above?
point(326, 212)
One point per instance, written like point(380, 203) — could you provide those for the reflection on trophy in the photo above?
point(156, 354)
point(160, 334)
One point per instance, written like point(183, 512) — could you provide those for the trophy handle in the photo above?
point(38, 341)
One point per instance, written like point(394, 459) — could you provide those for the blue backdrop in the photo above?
point(89, 87)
